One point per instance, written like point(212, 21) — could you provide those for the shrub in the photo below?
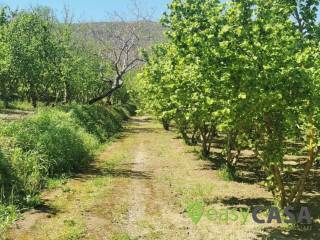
point(7, 215)
point(131, 108)
point(97, 120)
point(5, 176)
point(57, 137)
point(48, 144)
point(52, 143)
point(227, 173)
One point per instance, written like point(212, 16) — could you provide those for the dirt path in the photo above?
point(13, 115)
point(140, 192)
point(140, 188)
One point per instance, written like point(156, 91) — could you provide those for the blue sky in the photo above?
point(93, 10)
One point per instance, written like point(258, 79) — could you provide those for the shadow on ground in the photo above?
point(301, 232)
point(44, 208)
point(249, 203)
point(121, 171)
point(249, 172)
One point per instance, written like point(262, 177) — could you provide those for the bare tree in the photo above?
point(120, 47)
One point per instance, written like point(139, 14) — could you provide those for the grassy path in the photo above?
point(139, 188)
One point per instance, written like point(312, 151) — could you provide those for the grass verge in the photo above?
point(40, 151)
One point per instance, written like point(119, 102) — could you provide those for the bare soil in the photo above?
point(13, 115)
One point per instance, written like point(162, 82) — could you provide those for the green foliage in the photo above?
point(42, 60)
point(25, 106)
point(32, 52)
point(54, 142)
point(244, 70)
point(47, 63)
point(97, 120)
point(5, 173)
point(227, 173)
point(57, 138)
point(8, 214)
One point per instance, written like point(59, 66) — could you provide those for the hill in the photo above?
point(149, 32)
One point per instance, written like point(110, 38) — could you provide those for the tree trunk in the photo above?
point(66, 91)
point(103, 96)
point(232, 159)
point(34, 101)
point(33, 95)
point(297, 193)
point(166, 124)
point(279, 182)
point(185, 136)
point(194, 137)
point(5, 97)
point(206, 134)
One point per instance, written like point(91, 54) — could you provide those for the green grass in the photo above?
point(72, 230)
point(41, 151)
point(46, 145)
point(53, 183)
point(226, 173)
point(19, 105)
point(8, 214)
